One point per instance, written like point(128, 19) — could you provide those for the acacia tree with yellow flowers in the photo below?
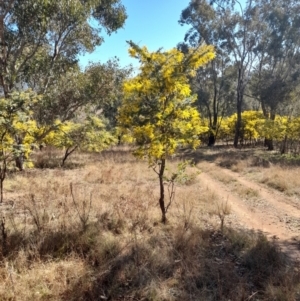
point(17, 130)
point(157, 112)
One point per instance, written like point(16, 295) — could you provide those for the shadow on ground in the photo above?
point(227, 156)
point(191, 264)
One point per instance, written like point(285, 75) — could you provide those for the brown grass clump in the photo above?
point(222, 177)
point(246, 192)
point(94, 233)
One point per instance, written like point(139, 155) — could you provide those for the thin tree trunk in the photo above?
point(162, 190)
point(238, 125)
point(1, 188)
point(2, 178)
point(68, 152)
point(19, 159)
point(3, 59)
point(239, 102)
point(269, 141)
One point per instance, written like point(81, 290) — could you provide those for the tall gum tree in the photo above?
point(157, 112)
point(276, 74)
point(213, 84)
point(234, 29)
point(44, 37)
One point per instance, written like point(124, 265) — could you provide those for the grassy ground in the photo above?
point(281, 172)
point(92, 231)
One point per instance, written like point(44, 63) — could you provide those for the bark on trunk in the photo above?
point(212, 134)
point(239, 103)
point(269, 141)
point(162, 190)
point(238, 125)
point(1, 193)
point(19, 156)
point(2, 178)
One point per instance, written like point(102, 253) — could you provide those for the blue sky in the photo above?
point(151, 23)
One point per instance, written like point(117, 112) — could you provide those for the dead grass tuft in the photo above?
point(222, 177)
point(246, 192)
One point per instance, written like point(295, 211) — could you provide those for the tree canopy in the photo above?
point(41, 39)
point(259, 40)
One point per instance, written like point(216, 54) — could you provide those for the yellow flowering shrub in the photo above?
point(157, 112)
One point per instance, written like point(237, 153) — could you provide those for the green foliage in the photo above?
point(95, 91)
point(277, 51)
point(233, 29)
point(180, 175)
point(41, 41)
point(105, 89)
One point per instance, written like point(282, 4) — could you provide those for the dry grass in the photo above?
point(106, 241)
point(222, 177)
point(22, 280)
point(283, 179)
point(278, 172)
point(246, 192)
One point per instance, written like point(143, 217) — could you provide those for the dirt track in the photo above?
point(269, 211)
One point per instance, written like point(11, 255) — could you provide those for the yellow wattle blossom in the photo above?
point(157, 109)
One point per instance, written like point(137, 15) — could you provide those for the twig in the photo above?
point(250, 297)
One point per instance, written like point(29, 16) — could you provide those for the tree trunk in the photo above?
point(238, 125)
point(214, 122)
point(269, 141)
point(19, 156)
point(239, 103)
point(20, 162)
point(1, 190)
point(3, 170)
point(211, 139)
point(212, 134)
point(162, 190)
point(269, 144)
point(3, 59)
point(68, 152)
point(284, 144)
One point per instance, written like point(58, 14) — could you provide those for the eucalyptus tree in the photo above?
point(214, 88)
point(96, 90)
point(277, 72)
point(213, 83)
point(41, 39)
point(40, 42)
point(233, 27)
point(106, 89)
